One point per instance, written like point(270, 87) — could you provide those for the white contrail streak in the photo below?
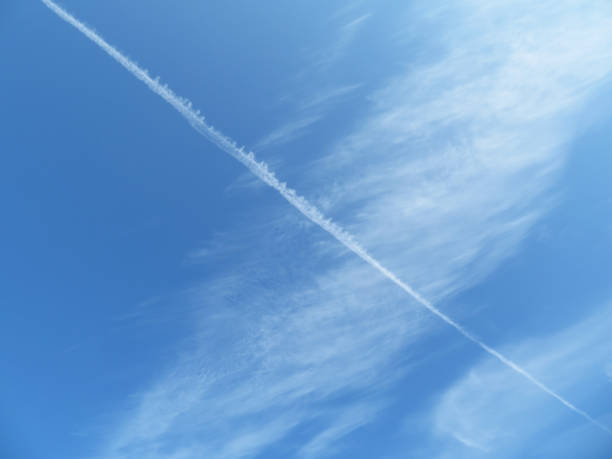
point(260, 169)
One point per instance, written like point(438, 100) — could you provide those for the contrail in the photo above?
point(261, 170)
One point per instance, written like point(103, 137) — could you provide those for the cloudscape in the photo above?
point(308, 229)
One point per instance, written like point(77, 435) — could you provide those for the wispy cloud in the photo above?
point(288, 132)
point(350, 420)
point(322, 98)
point(454, 165)
point(292, 341)
point(345, 36)
point(457, 206)
point(308, 111)
point(311, 105)
point(487, 408)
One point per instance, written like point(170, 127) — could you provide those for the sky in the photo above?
point(441, 291)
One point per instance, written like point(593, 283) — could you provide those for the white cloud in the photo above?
point(288, 132)
point(345, 36)
point(350, 420)
point(309, 110)
point(270, 353)
point(443, 180)
point(491, 409)
point(322, 98)
point(451, 169)
point(311, 105)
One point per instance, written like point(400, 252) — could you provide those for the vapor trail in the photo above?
point(261, 170)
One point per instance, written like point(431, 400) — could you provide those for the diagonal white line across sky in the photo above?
point(261, 170)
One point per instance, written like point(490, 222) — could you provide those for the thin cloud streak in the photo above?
point(261, 170)
point(311, 112)
point(288, 132)
point(574, 356)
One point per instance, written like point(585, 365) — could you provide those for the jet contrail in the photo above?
point(261, 170)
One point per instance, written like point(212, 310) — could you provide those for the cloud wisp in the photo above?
point(298, 346)
point(261, 170)
point(572, 356)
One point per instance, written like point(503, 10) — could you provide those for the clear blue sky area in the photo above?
point(158, 301)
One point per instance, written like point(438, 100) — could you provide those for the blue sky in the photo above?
point(160, 301)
